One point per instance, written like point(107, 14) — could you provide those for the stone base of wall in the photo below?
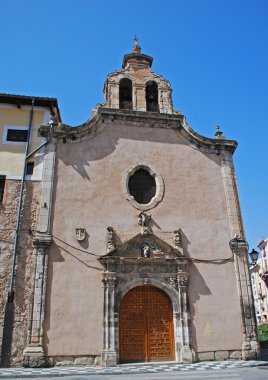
point(96, 360)
point(64, 361)
point(227, 355)
point(34, 357)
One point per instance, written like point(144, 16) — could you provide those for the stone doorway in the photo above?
point(146, 331)
point(164, 271)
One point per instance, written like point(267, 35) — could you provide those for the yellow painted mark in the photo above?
point(208, 331)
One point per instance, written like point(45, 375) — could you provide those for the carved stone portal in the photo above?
point(145, 260)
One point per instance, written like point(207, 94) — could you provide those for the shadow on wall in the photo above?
point(80, 154)
point(198, 289)
point(55, 256)
point(8, 327)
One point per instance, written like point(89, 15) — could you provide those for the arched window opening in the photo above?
point(125, 94)
point(152, 97)
point(142, 186)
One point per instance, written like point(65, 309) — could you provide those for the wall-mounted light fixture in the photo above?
point(254, 256)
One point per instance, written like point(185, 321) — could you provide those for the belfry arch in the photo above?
point(125, 94)
point(151, 93)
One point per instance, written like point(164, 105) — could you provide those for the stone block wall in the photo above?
point(19, 311)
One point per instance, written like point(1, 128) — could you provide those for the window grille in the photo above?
point(17, 135)
point(29, 168)
point(142, 186)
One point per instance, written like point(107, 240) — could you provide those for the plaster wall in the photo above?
point(12, 154)
point(89, 194)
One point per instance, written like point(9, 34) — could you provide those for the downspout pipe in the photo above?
point(37, 149)
point(10, 298)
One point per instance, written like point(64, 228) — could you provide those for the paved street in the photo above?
point(259, 373)
point(257, 370)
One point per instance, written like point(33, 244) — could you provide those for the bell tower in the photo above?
point(136, 87)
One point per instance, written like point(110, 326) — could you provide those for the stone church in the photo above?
point(133, 261)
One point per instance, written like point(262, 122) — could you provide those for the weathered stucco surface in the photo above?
point(88, 193)
point(67, 301)
point(24, 262)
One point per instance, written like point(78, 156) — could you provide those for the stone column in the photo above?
point(33, 354)
point(250, 347)
point(134, 96)
point(186, 353)
point(140, 98)
point(113, 95)
point(109, 354)
point(164, 100)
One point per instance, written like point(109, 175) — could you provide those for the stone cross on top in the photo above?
point(136, 48)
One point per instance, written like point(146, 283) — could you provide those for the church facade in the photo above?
point(133, 262)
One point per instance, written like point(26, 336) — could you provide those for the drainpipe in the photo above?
point(10, 297)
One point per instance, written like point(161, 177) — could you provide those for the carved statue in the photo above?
point(145, 250)
point(110, 239)
point(158, 252)
point(177, 239)
point(143, 221)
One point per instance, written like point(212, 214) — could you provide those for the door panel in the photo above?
point(146, 325)
point(132, 326)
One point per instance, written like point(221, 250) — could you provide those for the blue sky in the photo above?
point(214, 53)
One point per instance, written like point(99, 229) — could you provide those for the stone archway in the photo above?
point(146, 331)
point(166, 269)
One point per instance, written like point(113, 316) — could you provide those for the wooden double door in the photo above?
point(146, 330)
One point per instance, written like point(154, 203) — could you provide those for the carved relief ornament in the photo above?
point(80, 234)
point(182, 279)
point(109, 279)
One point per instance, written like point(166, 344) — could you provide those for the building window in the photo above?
point(17, 135)
point(29, 168)
point(142, 186)
point(152, 97)
point(2, 187)
point(125, 94)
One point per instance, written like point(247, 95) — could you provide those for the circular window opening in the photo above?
point(142, 186)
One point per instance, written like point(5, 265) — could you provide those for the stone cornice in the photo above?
point(103, 116)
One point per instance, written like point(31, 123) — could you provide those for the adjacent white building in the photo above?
point(259, 279)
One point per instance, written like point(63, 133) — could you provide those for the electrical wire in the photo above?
point(78, 249)
point(212, 261)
